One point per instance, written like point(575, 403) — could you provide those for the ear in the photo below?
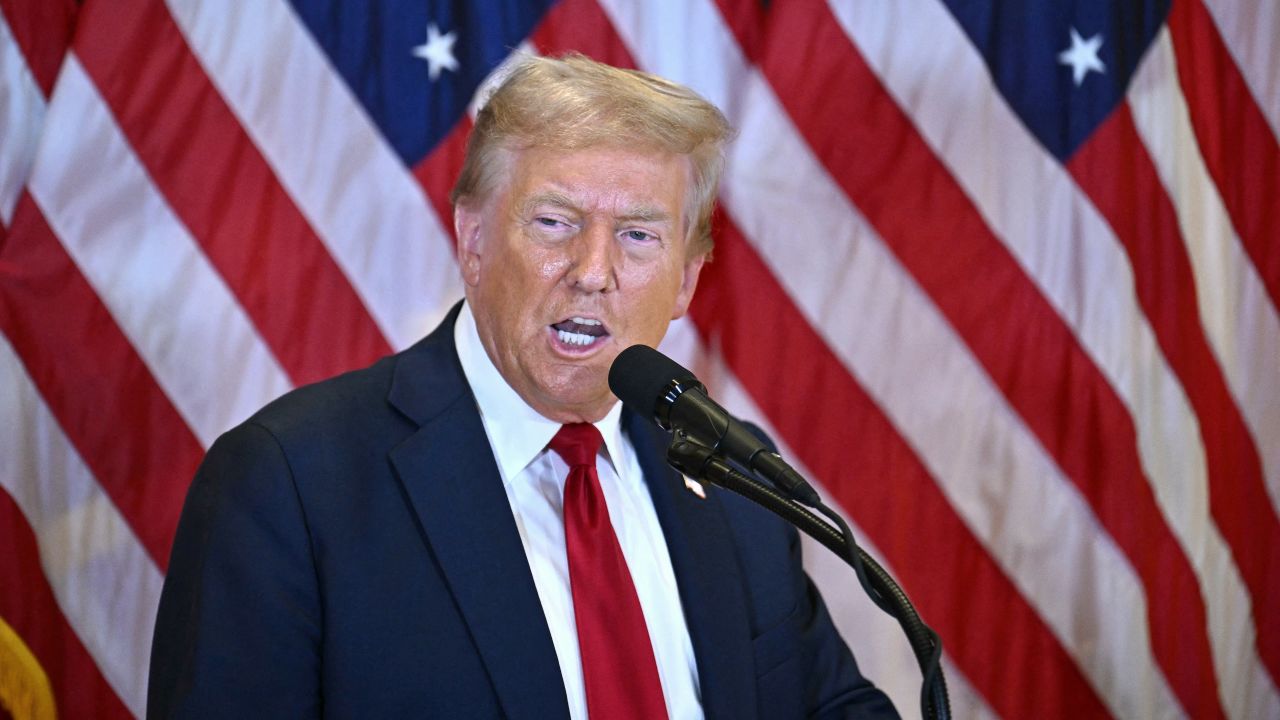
point(688, 283)
point(466, 226)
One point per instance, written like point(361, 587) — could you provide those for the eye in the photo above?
point(547, 221)
point(639, 235)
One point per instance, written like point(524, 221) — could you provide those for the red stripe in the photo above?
point(748, 23)
point(437, 171)
point(738, 297)
point(42, 29)
point(78, 687)
point(1241, 153)
point(889, 172)
point(101, 393)
point(216, 181)
point(581, 26)
point(997, 639)
point(1113, 167)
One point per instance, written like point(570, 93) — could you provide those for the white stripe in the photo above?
point(145, 266)
point(1234, 307)
point(21, 112)
point(104, 583)
point(1047, 539)
point(1241, 324)
point(1251, 32)
point(346, 180)
point(1042, 217)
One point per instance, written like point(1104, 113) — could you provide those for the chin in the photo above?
point(568, 398)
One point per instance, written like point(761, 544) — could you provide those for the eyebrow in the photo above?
point(639, 213)
point(550, 197)
point(644, 213)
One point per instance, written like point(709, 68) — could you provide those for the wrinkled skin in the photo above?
point(597, 233)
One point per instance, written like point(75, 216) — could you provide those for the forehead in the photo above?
point(600, 179)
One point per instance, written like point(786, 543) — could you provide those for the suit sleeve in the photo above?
point(239, 624)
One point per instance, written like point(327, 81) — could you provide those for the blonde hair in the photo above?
point(574, 102)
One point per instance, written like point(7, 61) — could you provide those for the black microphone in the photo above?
point(659, 386)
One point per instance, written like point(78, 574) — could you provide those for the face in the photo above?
point(576, 256)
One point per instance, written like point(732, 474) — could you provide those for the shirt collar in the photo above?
point(517, 433)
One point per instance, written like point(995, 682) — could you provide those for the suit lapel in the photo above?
point(452, 482)
point(707, 573)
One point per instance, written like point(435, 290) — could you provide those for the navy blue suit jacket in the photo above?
point(349, 551)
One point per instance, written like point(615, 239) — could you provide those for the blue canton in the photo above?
point(371, 45)
point(1023, 43)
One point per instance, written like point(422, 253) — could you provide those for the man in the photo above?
point(475, 527)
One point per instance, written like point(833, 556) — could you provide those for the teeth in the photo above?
point(573, 338)
point(585, 321)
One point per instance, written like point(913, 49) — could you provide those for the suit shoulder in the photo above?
point(330, 406)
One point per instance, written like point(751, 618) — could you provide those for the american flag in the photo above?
point(1002, 276)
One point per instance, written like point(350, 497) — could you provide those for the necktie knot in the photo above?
point(577, 444)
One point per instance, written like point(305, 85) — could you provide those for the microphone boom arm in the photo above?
point(703, 463)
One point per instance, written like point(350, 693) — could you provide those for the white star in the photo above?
point(1082, 56)
point(437, 51)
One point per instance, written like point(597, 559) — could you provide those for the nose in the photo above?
point(592, 268)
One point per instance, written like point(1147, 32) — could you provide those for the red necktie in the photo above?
point(618, 668)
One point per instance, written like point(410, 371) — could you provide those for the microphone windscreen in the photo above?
point(640, 375)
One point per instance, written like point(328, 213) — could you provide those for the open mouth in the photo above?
point(580, 332)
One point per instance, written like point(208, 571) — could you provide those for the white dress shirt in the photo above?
point(533, 477)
